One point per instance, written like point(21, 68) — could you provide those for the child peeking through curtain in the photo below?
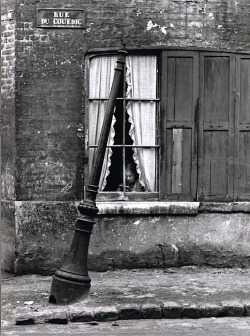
point(131, 180)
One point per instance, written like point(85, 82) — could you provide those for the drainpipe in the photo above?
point(72, 282)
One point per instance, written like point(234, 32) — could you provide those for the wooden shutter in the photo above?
point(179, 101)
point(216, 127)
point(242, 148)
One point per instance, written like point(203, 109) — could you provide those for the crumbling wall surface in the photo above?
point(8, 153)
point(8, 59)
point(132, 241)
point(218, 240)
point(49, 114)
point(201, 23)
point(44, 231)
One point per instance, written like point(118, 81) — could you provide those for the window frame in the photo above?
point(123, 195)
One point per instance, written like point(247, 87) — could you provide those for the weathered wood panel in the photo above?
point(216, 127)
point(177, 162)
point(215, 168)
point(242, 142)
point(245, 91)
point(179, 99)
point(244, 165)
point(216, 89)
point(184, 89)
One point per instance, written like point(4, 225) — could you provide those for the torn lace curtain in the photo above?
point(141, 79)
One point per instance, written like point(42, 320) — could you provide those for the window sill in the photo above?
point(127, 197)
point(169, 208)
point(148, 208)
point(225, 207)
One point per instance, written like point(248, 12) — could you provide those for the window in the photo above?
point(181, 126)
point(131, 159)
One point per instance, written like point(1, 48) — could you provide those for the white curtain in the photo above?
point(101, 75)
point(141, 79)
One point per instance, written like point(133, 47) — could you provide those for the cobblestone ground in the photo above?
point(172, 327)
point(189, 292)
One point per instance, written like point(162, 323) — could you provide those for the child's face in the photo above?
point(129, 176)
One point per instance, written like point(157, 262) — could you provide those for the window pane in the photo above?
point(96, 115)
point(115, 170)
point(141, 77)
point(132, 170)
point(105, 167)
point(101, 73)
point(131, 179)
point(145, 160)
point(142, 118)
point(119, 122)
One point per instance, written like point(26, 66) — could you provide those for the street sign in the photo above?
point(60, 18)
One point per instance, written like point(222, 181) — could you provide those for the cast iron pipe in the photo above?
point(72, 282)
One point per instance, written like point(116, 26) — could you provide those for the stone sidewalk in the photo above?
point(187, 292)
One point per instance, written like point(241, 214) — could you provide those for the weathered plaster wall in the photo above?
point(48, 109)
point(44, 233)
point(8, 235)
point(220, 240)
point(8, 153)
point(8, 59)
point(45, 230)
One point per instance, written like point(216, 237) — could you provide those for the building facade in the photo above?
point(181, 127)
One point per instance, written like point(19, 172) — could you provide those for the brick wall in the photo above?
point(48, 111)
point(8, 25)
point(8, 102)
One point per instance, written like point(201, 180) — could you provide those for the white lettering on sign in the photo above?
point(61, 14)
point(67, 21)
point(60, 18)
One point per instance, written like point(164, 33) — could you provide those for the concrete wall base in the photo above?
point(40, 233)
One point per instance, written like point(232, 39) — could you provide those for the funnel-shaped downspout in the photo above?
point(72, 282)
